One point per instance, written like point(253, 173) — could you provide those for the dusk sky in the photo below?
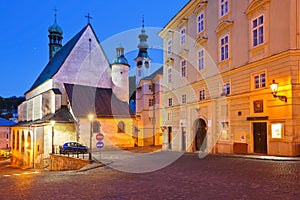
point(24, 32)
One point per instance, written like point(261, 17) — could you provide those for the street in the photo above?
point(213, 177)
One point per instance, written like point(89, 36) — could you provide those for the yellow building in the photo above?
point(221, 57)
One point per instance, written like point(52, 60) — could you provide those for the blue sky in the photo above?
point(24, 32)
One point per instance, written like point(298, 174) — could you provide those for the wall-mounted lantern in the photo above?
point(274, 88)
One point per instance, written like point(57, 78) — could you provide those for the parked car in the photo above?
point(73, 147)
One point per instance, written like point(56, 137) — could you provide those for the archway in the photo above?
point(200, 136)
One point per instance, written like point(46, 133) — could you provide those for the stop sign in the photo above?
point(99, 136)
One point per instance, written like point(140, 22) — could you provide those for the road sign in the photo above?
point(99, 136)
point(99, 145)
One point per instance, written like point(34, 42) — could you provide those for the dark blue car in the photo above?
point(72, 147)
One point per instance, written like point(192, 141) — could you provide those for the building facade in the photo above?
point(77, 95)
point(5, 134)
point(220, 58)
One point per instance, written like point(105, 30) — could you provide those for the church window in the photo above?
point(121, 127)
point(139, 63)
point(146, 64)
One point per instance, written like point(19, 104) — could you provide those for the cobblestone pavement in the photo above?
point(214, 177)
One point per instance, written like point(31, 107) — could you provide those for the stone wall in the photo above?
point(63, 163)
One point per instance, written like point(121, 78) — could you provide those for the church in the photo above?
point(78, 94)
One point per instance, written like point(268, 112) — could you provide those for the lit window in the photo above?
point(182, 36)
point(276, 130)
point(169, 75)
point(258, 30)
point(224, 48)
point(260, 81)
point(202, 95)
point(183, 99)
point(169, 47)
point(170, 102)
point(201, 59)
point(200, 22)
point(183, 68)
point(151, 102)
point(224, 9)
point(226, 88)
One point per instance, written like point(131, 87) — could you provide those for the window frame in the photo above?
point(169, 74)
point(183, 99)
point(202, 95)
point(200, 22)
point(256, 40)
point(170, 102)
point(224, 47)
point(224, 3)
point(261, 82)
point(225, 87)
point(169, 46)
point(201, 59)
point(183, 66)
point(150, 102)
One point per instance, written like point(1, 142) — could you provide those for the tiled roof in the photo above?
point(151, 76)
point(100, 101)
point(56, 62)
point(5, 122)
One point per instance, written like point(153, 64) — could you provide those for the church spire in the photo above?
point(55, 37)
point(142, 60)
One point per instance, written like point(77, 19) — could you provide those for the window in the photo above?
point(200, 22)
point(150, 86)
point(182, 36)
point(151, 102)
point(139, 72)
point(223, 7)
point(183, 68)
point(121, 127)
point(202, 95)
point(258, 30)
point(226, 89)
point(139, 63)
point(201, 59)
point(169, 75)
point(224, 48)
point(260, 81)
point(146, 64)
point(225, 131)
point(170, 102)
point(169, 47)
point(7, 136)
point(183, 99)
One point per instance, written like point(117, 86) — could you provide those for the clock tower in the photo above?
point(55, 38)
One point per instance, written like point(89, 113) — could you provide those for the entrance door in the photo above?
point(200, 140)
point(170, 137)
point(260, 137)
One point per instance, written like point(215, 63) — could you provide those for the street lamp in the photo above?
point(52, 122)
point(91, 119)
point(274, 88)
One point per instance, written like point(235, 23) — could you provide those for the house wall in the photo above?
point(5, 137)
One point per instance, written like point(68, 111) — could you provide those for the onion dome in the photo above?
point(120, 58)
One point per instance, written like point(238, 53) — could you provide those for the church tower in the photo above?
point(120, 75)
point(142, 60)
point(55, 38)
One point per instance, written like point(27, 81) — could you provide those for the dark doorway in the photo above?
point(183, 144)
point(170, 137)
point(200, 138)
point(260, 137)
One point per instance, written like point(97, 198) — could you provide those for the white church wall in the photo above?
point(86, 64)
point(120, 79)
point(47, 85)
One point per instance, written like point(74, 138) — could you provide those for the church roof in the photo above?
point(151, 76)
point(100, 101)
point(5, 122)
point(56, 62)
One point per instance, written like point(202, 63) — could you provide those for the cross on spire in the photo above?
point(143, 21)
point(88, 17)
point(55, 11)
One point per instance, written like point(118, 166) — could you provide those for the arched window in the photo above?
point(22, 142)
point(13, 140)
point(121, 127)
point(29, 140)
point(139, 63)
point(18, 140)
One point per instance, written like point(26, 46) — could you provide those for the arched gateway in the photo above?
point(200, 134)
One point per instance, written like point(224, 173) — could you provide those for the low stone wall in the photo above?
point(63, 163)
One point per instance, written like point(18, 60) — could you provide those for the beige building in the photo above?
point(220, 58)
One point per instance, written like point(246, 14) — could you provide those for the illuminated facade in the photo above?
point(220, 58)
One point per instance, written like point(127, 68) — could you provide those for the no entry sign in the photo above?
point(99, 136)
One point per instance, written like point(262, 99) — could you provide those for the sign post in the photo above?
point(100, 144)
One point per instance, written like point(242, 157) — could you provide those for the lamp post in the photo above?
point(274, 88)
point(52, 122)
point(91, 119)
